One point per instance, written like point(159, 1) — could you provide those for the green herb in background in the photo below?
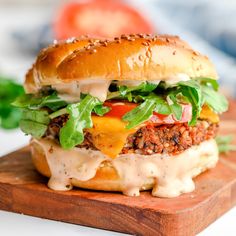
point(9, 115)
point(224, 143)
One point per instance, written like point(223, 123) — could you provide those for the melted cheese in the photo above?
point(208, 114)
point(170, 175)
point(109, 134)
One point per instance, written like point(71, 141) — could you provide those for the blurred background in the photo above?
point(26, 26)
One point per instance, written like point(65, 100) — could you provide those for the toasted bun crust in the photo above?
point(44, 70)
point(106, 177)
point(129, 57)
point(137, 57)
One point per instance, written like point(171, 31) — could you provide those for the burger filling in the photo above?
point(145, 118)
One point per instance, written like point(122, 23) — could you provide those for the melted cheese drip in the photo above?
point(109, 134)
point(208, 114)
point(171, 175)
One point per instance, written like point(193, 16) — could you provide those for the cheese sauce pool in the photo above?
point(169, 175)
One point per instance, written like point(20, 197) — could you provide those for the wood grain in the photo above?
point(23, 190)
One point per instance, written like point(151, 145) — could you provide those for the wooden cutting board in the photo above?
point(23, 190)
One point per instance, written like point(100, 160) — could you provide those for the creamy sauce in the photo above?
point(177, 78)
point(96, 88)
point(70, 92)
point(171, 175)
point(134, 83)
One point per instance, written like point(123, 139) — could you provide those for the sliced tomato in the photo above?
point(120, 108)
point(99, 18)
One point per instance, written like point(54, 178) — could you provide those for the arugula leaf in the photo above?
point(223, 143)
point(140, 113)
point(31, 101)
point(127, 92)
point(71, 134)
point(9, 115)
point(162, 107)
point(216, 101)
point(192, 92)
point(207, 81)
point(174, 106)
point(101, 110)
point(34, 122)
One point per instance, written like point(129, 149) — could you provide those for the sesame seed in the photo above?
point(70, 40)
point(148, 54)
point(141, 57)
point(146, 43)
point(131, 39)
point(174, 53)
point(93, 51)
point(123, 36)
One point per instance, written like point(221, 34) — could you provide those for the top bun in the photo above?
point(129, 57)
point(44, 70)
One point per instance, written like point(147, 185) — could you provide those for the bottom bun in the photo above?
point(168, 176)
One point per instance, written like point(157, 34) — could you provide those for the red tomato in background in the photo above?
point(99, 18)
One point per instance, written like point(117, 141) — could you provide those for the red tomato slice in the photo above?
point(120, 108)
point(99, 18)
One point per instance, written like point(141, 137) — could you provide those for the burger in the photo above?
point(134, 113)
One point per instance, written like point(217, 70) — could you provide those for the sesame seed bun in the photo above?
point(129, 57)
point(44, 70)
point(137, 57)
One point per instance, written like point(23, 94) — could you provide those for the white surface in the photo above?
point(12, 224)
point(16, 64)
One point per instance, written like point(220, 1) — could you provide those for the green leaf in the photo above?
point(161, 105)
point(34, 122)
point(175, 107)
point(9, 115)
point(148, 87)
point(37, 130)
point(79, 118)
point(209, 82)
point(223, 143)
point(40, 116)
point(192, 92)
point(31, 101)
point(127, 92)
point(140, 114)
point(101, 110)
point(215, 100)
point(10, 120)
